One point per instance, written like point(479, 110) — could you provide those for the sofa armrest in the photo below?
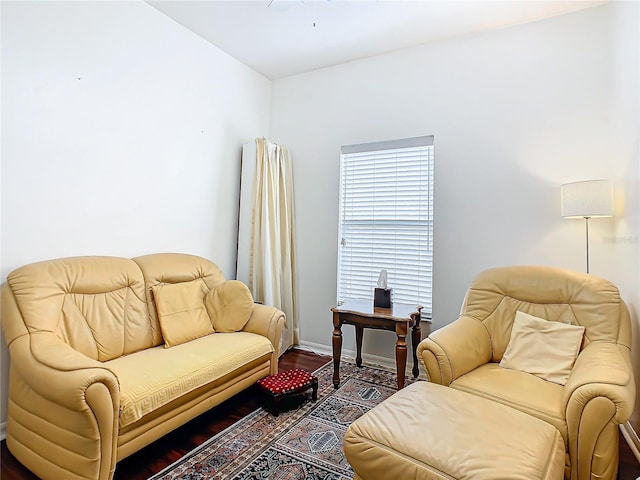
point(268, 322)
point(53, 382)
point(455, 349)
point(59, 373)
point(598, 396)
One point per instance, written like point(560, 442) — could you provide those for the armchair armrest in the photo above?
point(598, 396)
point(268, 322)
point(455, 349)
point(601, 370)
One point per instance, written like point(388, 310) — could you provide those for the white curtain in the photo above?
point(272, 276)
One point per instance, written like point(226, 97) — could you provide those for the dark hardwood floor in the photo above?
point(171, 447)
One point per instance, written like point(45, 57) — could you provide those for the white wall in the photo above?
point(121, 135)
point(515, 113)
point(622, 249)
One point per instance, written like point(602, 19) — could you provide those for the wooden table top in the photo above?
point(400, 312)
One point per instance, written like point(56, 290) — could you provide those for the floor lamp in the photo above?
point(587, 199)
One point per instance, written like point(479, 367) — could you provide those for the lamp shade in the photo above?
point(590, 198)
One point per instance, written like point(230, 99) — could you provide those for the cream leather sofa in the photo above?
point(600, 391)
point(90, 379)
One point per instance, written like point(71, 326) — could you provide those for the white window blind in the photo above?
point(386, 220)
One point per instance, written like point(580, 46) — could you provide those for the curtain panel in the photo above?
point(272, 277)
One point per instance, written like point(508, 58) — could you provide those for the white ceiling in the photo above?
point(277, 38)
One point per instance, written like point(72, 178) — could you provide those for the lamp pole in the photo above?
point(587, 199)
point(586, 225)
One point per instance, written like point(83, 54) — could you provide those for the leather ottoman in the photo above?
point(427, 431)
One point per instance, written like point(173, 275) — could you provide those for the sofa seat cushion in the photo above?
point(430, 432)
point(154, 377)
point(520, 390)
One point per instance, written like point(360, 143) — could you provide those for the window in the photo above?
point(386, 220)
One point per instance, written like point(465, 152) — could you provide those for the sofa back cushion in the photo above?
point(161, 268)
point(551, 293)
point(95, 304)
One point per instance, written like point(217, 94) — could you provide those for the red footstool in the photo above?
point(288, 383)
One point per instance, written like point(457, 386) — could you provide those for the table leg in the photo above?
point(401, 352)
point(359, 331)
point(337, 348)
point(416, 336)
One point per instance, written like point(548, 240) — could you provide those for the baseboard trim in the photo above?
point(384, 363)
point(3, 430)
point(314, 347)
point(367, 359)
point(631, 436)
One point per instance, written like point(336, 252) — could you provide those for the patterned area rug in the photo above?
point(305, 443)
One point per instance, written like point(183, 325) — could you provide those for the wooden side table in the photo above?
point(361, 314)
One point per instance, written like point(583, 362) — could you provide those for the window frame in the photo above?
point(367, 150)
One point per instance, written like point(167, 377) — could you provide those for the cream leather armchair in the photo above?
point(600, 391)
